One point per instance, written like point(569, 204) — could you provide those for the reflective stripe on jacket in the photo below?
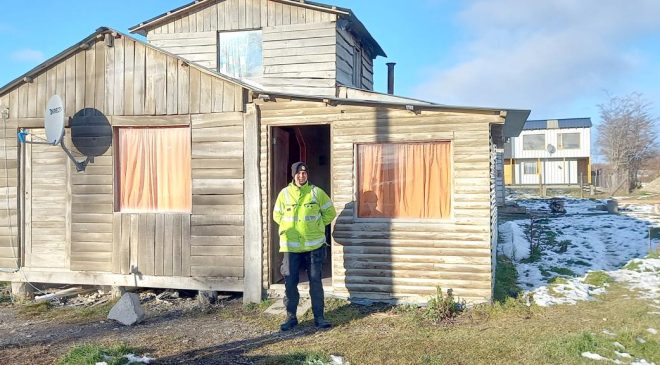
point(302, 214)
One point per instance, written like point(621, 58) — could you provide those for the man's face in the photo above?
point(301, 178)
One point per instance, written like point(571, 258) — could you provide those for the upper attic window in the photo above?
point(239, 54)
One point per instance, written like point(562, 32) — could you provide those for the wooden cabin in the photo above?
point(186, 161)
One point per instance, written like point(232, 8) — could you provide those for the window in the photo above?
point(534, 142)
point(568, 141)
point(411, 180)
point(529, 168)
point(153, 169)
point(240, 54)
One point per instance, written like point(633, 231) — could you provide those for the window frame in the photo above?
point(530, 163)
point(218, 53)
point(116, 188)
point(534, 135)
point(560, 144)
point(449, 220)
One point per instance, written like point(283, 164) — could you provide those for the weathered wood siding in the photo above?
point(385, 259)
point(354, 65)
point(198, 47)
point(129, 84)
point(217, 222)
point(45, 201)
point(224, 15)
point(300, 58)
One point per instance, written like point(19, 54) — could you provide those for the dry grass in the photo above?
point(504, 334)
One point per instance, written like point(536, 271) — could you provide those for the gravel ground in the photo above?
point(176, 331)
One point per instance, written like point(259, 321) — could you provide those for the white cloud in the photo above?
point(27, 55)
point(542, 54)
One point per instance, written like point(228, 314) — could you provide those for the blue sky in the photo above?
point(558, 58)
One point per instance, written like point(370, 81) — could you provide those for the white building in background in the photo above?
point(550, 152)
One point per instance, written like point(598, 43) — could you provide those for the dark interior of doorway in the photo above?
point(291, 144)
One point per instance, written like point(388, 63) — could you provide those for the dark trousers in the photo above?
point(312, 262)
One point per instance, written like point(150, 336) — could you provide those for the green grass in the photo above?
point(45, 310)
point(598, 278)
point(93, 353)
point(506, 278)
point(633, 265)
point(296, 358)
point(562, 271)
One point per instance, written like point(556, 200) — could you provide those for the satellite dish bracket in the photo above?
point(80, 165)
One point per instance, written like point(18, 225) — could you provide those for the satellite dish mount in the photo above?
point(54, 126)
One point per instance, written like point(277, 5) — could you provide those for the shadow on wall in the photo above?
point(366, 245)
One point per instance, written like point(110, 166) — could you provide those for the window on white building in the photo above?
point(532, 142)
point(529, 168)
point(568, 141)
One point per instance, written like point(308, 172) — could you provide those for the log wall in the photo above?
point(383, 258)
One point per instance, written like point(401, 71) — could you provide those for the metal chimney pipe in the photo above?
point(390, 77)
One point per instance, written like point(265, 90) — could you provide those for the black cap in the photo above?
point(297, 167)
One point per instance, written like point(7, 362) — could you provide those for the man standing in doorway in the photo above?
point(302, 211)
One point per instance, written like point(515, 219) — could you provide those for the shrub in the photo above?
point(443, 308)
point(597, 278)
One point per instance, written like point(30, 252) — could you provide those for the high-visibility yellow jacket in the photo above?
point(302, 214)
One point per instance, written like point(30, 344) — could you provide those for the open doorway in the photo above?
point(310, 143)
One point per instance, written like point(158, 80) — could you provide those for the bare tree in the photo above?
point(626, 135)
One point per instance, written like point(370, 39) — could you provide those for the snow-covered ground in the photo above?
point(579, 252)
point(583, 240)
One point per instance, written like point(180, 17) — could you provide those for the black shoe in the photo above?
point(289, 324)
point(321, 323)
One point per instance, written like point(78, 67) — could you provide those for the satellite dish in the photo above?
point(551, 148)
point(54, 120)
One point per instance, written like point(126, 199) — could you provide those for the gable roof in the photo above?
point(353, 24)
point(98, 34)
point(561, 123)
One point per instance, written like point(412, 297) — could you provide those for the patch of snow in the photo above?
point(652, 331)
point(515, 245)
point(597, 357)
point(641, 340)
point(101, 363)
point(641, 362)
point(617, 344)
point(141, 359)
point(569, 293)
point(623, 354)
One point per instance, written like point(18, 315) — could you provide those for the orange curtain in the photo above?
point(154, 168)
point(404, 180)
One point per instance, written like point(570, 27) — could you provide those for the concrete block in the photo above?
point(22, 291)
point(207, 297)
point(128, 310)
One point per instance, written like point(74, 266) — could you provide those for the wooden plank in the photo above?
point(177, 257)
point(134, 242)
point(159, 245)
point(79, 84)
point(253, 256)
point(139, 77)
point(168, 246)
point(223, 272)
point(185, 245)
point(164, 120)
point(217, 261)
point(172, 87)
point(194, 96)
point(206, 96)
point(109, 81)
point(119, 82)
point(183, 89)
point(99, 77)
point(217, 98)
point(129, 66)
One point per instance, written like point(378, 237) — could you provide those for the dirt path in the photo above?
point(173, 337)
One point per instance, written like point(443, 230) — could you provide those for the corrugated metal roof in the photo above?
point(560, 123)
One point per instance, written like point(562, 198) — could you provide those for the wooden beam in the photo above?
point(253, 245)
